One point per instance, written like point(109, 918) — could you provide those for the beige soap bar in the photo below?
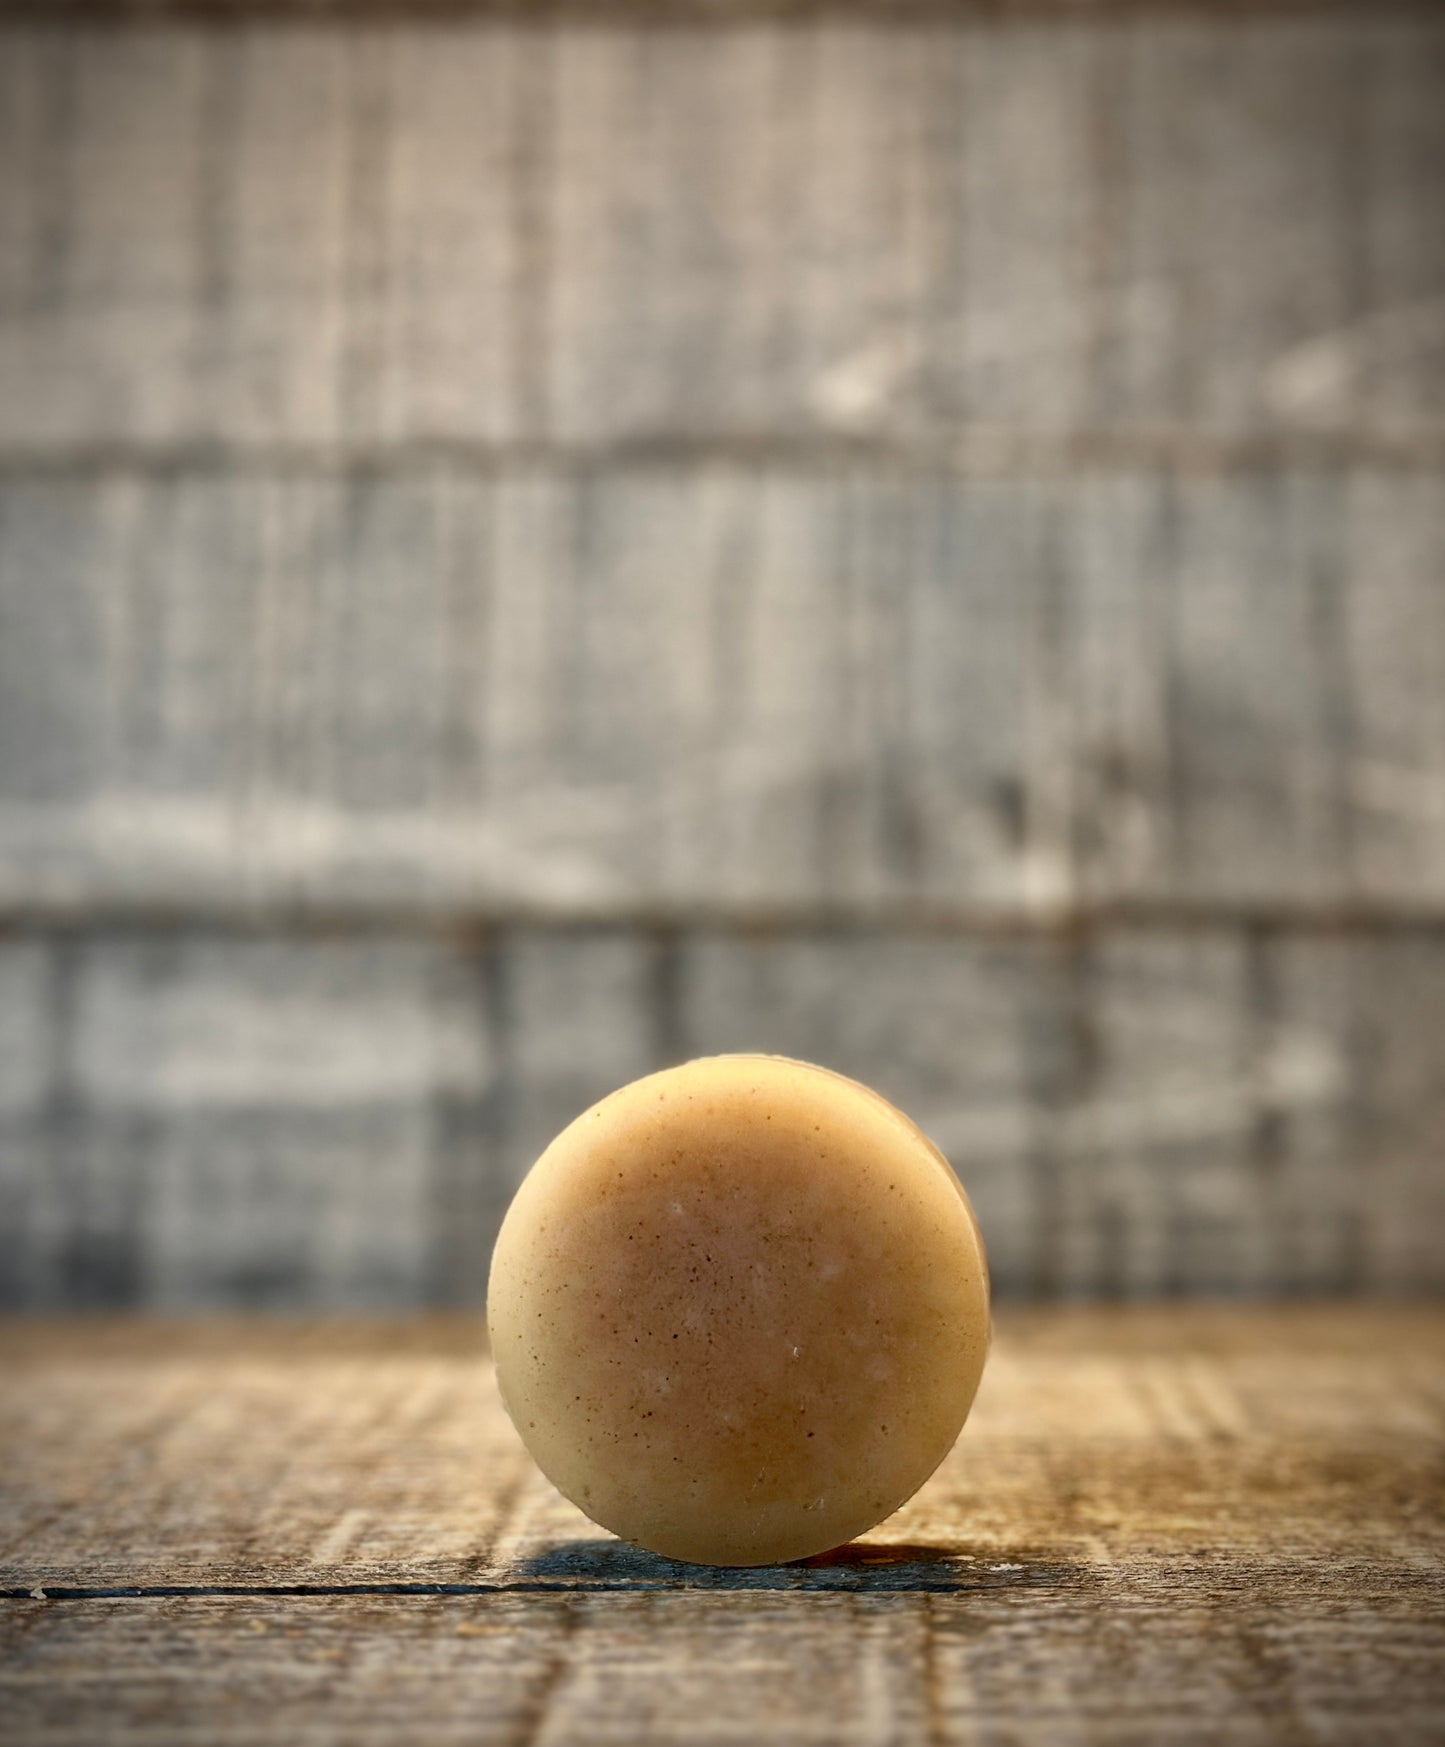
point(739, 1310)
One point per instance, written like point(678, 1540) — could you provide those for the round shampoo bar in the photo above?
point(739, 1310)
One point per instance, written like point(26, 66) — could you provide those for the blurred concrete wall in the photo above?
point(530, 550)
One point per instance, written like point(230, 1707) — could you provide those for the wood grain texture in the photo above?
point(534, 545)
point(492, 232)
point(202, 1118)
point(1213, 1525)
point(721, 689)
point(987, 466)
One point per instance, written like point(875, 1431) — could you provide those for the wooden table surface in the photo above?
point(1190, 1524)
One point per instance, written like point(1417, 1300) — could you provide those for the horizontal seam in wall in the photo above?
point(678, 15)
point(96, 919)
point(979, 453)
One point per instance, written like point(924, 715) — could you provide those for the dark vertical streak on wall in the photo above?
point(1367, 1119)
point(1044, 1166)
point(1114, 1219)
point(142, 583)
point(224, 79)
point(1049, 807)
point(1329, 581)
point(53, 168)
point(1358, 98)
point(367, 278)
point(1173, 777)
point(944, 333)
point(469, 546)
point(96, 1259)
point(468, 1139)
point(573, 629)
point(1109, 103)
point(346, 760)
point(665, 1000)
point(1059, 1075)
point(532, 183)
point(1187, 294)
point(901, 847)
point(729, 608)
point(1259, 1038)
point(786, 105)
point(836, 799)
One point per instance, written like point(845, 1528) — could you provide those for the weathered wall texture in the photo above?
point(528, 551)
